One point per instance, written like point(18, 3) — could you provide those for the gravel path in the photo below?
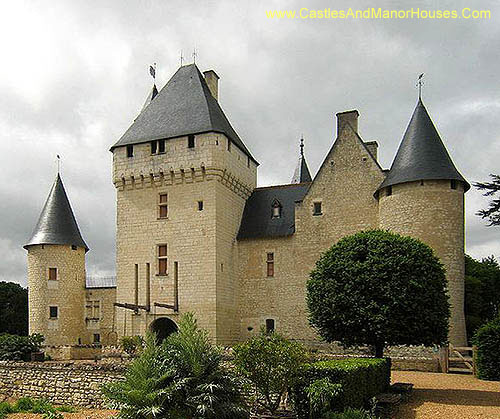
point(457, 396)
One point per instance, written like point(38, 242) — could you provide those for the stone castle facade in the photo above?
point(195, 234)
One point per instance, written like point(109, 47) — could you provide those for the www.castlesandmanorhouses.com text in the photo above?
point(378, 13)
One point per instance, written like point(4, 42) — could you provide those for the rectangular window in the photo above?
point(93, 309)
point(388, 191)
point(453, 184)
point(162, 259)
point(269, 325)
point(228, 144)
point(154, 146)
point(161, 146)
point(163, 206)
point(200, 205)
point(73, 247)
point(191, 141)
point(317, 208)
point(130, 151)
point(270, 264)
point(53, 312)
point(97, 338)
point(52, 274)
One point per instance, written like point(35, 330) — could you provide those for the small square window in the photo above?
point(52, 274)
point(97, 338)
point(200, 205)
point(317, 209)
point(154, 147)
point(130, 151)
point(191, 141)
point(269, 325)
point(53, 312)
point(73, 247)
point(161, 146)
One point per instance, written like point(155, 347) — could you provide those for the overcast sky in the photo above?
point(74, 75)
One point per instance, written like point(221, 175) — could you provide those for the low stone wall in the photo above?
point(73, 383)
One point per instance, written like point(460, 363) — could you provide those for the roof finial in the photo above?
point(194, 55)
point(58, 163)
point(302, 145)
point(420, 84)
point(182, 58)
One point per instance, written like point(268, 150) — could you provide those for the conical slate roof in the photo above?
point(57, 223)
point(184, 106)
point(421, 154)
point(301, 173)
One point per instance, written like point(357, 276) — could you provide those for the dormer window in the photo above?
point(276, 209)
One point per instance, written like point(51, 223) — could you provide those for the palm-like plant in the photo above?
point(183, 377)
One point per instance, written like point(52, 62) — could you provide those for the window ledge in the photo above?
point(161, 275)
point(162, 218)
point(318, 214)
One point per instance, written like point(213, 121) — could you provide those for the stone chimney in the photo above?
point(372, 147)
point(347, 117)
point(212, 80)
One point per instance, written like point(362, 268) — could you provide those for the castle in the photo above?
point(195, 234)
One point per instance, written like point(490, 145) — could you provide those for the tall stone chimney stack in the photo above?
point(212, 80)
point(347, 117)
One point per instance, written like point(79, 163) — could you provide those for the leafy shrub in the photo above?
point(53, 415)
point(360, 378)
point(487, 356)
point(29, 405)
point(350, 414)
point(66, 409)
point(19, 348)
point(272, 363)
point(132, 344)
point(322, 396)
point(183, 377)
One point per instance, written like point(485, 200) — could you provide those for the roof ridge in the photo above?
point(284, 185)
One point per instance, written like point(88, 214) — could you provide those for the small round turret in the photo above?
point(56, 273)
point(423, 197)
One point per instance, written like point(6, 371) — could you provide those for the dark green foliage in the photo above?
point(482, 292)
point(379, 288)
point(487, 356)
point(19, 348)
point(272, 363)
point(323, 396)
point(360, 378)
point(132, 344)
point(183, 377)
point(13, 309)
point(492, 213)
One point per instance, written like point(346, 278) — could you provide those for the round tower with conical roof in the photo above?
point(56, 273)
point(423, 197)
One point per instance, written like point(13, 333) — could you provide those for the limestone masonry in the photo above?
point(195, 234)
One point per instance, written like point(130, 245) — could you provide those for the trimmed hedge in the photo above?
point(487, 356)
point(361, 379)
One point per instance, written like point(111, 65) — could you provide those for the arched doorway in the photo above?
point(163, 327)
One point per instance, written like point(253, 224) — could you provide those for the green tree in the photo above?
point(183, 377)
point(13, 309)
point(482, 292)
point(378, 288)
point(492, 213)
point(272, 364)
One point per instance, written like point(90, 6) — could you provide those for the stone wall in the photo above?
point(70, 383)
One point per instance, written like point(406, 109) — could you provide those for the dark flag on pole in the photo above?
point(152, 70)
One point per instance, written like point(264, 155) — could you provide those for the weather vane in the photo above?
point(58, 163)
point(182, 58)
point(420, 84)
point(302, 145)
point(194, 55)
point(152, 71)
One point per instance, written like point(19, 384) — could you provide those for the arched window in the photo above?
point(276, 209)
